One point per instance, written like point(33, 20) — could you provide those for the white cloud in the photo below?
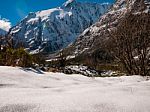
point(5, 24)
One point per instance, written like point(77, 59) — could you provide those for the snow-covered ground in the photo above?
point(27, 90)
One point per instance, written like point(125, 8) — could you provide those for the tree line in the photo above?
point(10, 56)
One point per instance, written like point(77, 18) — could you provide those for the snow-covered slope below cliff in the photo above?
point(53, 29)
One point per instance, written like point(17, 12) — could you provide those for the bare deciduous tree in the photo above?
point(130, 43)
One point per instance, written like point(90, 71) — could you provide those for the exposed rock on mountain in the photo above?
point(93, 37)
point(53, 29)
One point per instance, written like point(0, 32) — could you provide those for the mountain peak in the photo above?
point(51, 30)
point(93, 36)
point(69, 2)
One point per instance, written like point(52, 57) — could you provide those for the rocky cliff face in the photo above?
point(53, 29)
point(92, 38)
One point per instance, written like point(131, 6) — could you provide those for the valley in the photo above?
point(75, 56)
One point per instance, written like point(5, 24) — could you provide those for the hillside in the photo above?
point(93, 37)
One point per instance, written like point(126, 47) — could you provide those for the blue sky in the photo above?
point(15, 10)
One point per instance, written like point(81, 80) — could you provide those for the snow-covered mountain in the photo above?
point(2, 32)
point(93, 37)
point(53, 29)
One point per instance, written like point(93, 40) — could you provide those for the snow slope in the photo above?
point(27, 90)
point(53, 29)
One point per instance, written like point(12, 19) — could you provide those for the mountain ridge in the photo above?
point(53, 29)
point(94, 36)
